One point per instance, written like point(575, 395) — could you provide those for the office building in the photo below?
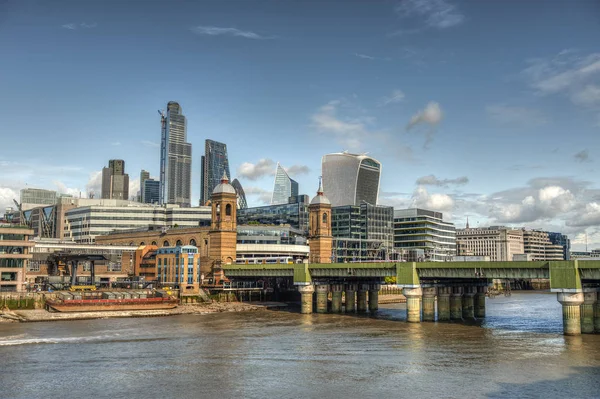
point(563, 241)
point(179, 267)
point(537, 244)
point(284, 187)
point(151, 191)
point(31, 197)
point(241, 195)
point(213, 164)
point(350, 179)
point(14, 256)
point(294, 214)
point(115, 182)
point(175, 158)
point(498, 242)
point(144, 175)
point(362, 233)
point(423, 230)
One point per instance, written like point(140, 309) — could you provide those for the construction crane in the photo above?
point(20, 209)
point(163, 155)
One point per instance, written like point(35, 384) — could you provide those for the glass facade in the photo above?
point(151, 191)
point(284, 187)
point(241, 196)
point(562, 240)
point(350, 179)
point(176, 158)
point(292, 214)
point(256, 234)
point(213, 164)
point(424, 230)
point(38, 196)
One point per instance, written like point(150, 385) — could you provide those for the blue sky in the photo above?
point(486, 109)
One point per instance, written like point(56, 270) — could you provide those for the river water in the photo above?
point(518, 351)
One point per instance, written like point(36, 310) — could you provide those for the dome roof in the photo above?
point(320, 198)
point(224, 186)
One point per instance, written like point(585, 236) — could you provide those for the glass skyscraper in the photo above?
point(213, 164)
point(175, 158)
point(350, 179)
point(151, 191)
point(284, 188)
point(241, 195)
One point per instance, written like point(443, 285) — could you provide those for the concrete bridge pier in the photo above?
point(413, 304)
point(374, 297)
point(571, 307)
point(480, 301)
point(336, 298)
point(456, 303)
point(468, 302)
point(361, 298)
point(444, 303)
point(306, 298)
point(597, 314)
point(590, 298)
point(350, 298)
point(322, 293)
point(429, 303)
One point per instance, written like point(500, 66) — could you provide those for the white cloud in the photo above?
point(264, 167)
point(395, 97)
point(84, 25)
point(438, 14)
point(134, 187)
point(115, 143)
point(430, 117)
point(296, 170)
point(152, 144)
point(7, 195)
point(216, 31)
point(588, 216)
point(63, 189)
point(370, 57)
point(70, 26)
point(94, 184)
point(437, 202)
point(261, 196)
point(520, 116)
point(431, 180)
point(588, 96)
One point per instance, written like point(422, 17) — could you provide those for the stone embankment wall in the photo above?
point(30, 300)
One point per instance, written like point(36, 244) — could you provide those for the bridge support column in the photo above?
point(587, 311)
point(306, 298)
point(361, 298)
point(597, 314)
point(336, 298)
point(444, 303)
point(480, 302)
point(571, 307)
point(322, 292)
point(413, 304)
point(429, 303)
point(456, 303)
point(350, 298)
point(468, 306)
point(374, 297)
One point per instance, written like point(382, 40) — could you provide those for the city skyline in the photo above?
point(504, 137)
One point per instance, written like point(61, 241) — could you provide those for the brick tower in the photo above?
point(223, 229)
point(319, 235)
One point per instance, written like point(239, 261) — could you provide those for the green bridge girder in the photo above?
point(563, 275)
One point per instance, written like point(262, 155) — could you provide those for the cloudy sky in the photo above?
point(486, 109)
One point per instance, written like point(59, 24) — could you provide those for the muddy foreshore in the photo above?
point(39, 315)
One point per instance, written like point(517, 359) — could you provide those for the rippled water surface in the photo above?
point(518, 351)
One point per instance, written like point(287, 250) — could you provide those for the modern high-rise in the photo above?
point(423, 231)
point(115, 182)
point(498, 242)
point(284, 187)
point(38, 196)
point(241, 195)
point(175, 158)
point(563, 241)
point(212, 166)
point(538, 246)
point(350, 179)
point(144, 175)
point(151, 191)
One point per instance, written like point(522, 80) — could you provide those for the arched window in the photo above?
point(228, 210)
point(153, 242)
point(218, 212)
point(193, 242)
point(131, 243)
point(142, 243)
point(179, 243)
point(166, 243)
point(325, 218)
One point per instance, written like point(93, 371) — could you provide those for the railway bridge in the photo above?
point(452, 290)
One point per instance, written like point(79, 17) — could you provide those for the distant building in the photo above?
point(362, 233)
point(350, 179)
point(563, 241)
point(115, 182)
point(175, 158)
point(537, 244)
point(31, 197)
point(213, 164)
point(144, 175)
point(498, 242)
point(294, 214)
point(15, 254)
point(421, 229)
point(241, 195)
point(151, 191)
point(179, 267)
point(284, 188)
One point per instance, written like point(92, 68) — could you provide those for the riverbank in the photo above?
point(39, 315)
